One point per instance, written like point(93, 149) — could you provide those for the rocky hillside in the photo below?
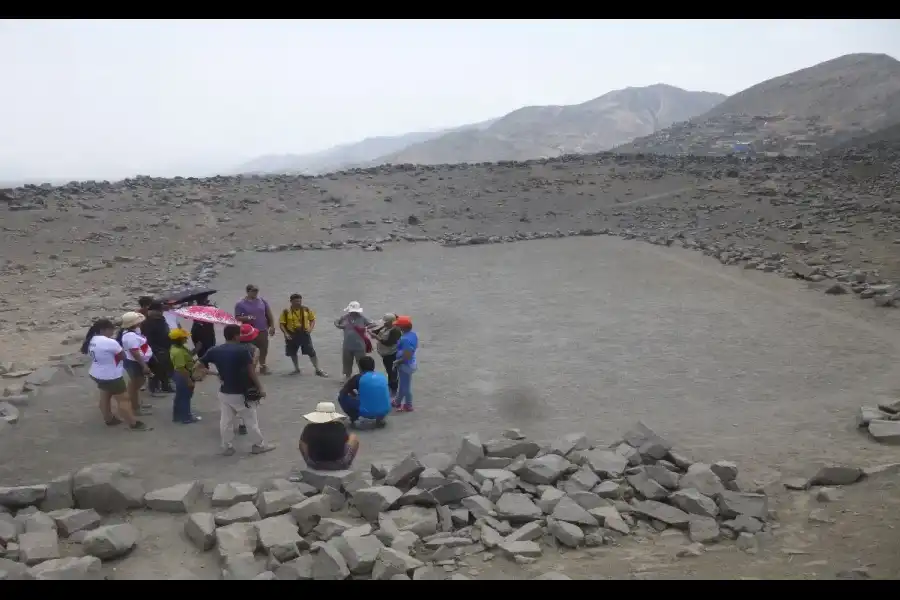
point(548, 131)
point(799, 113)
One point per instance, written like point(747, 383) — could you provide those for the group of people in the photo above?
point(150, 347)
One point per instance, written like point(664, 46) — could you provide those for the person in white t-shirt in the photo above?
point(137, 358)
point(108, 372)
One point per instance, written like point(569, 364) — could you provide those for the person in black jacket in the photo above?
point(156, 330)
point(203, 335)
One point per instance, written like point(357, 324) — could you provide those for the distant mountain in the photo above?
point(887, 138)
point(346, 155)
point(546, 131)
point(799, 113)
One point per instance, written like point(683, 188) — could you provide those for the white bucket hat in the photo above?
point(353, 307)
point(324, 413)
point(131, 319)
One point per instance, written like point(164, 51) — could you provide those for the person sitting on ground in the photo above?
point(366, 394)
point(356, 342)
point(183, 375)
point(108, 372)
point(137, 356)
point(297, 322)
point(325, 443)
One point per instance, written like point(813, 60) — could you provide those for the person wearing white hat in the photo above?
point(325, 443)
point(356, 342)
point(137, 359)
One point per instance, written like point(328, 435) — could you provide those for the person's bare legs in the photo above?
point(353, 441)
point(134, 389)
point(106, 407)
point(123, 407)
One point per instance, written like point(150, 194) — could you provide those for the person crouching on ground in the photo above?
point(366, 394)
point(108, 372)
point(356, 342)
point(325, 443)
point(406, 364)
point(297, 323)
point(387, 337)
point(183, 375)
point(240, 392)
point(137, 356)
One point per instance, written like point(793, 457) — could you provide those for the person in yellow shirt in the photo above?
point(183, 362)
point(297, 322)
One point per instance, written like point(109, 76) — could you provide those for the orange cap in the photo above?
point(403, 321)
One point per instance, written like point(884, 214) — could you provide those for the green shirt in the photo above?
point(181, 358)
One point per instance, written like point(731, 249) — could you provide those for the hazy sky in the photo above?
point(109, 99)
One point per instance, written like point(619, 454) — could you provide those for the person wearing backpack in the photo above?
point(297, 323)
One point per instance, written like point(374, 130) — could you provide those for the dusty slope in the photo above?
point(822, 105)
point(545, 131)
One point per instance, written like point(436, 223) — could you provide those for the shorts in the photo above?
point(111, 386)
point(350, 358)
point(262, 342)
point(133, 368)
point(334, 465)
point(300, 341)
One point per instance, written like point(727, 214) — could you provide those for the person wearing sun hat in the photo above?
point(183, 375)
point(325, 443)
point(137, 358)
point(356, 342)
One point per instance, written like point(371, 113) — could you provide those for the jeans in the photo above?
point(350, 405)
point(181, 405)
point(404, 388)
point(388, 362)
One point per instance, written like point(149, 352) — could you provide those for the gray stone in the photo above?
point(459, 517)
point(573, 441)
point(647, 488)
point(235, 539)
point(434, 542)
point(525, 549)
point(479, 506)
point(609, 517)
point(471, 450)
point(404, 474)
point(241, 567)
point(336, 499)
point(565, 533)
point(300, 568)
point(744, 523)
point(200, 529)
point(549, 498)
point(725, 469)
point(506, 448)
point(836, 475)
point(425, 573)
point(587, 500)
point(748, 543)
point(701, 478)
point(11, 570)
point(430, 479)
point(647, 442)
point(438, 461)
point(517, 507)
point(490, 537)
point(703, 529)
point(176, 499)
point(693, 502)
point(552, 576)
point(320, 479)
point(664, 513)
point(107, 488)
point(23, 495)
point(35, 522)
point(419, 520)
point(278, 502)
point(329, 528)
point(242, 512)
point(83, 568)
point(358, 531)
point(59, 495)
point(310, 509)
point(70, 520)
point(418, 497)
point(9, 531)
point(605, 463)
point(608, 489)
point(359, 553)
point(630, 454)
point(583, 479)
point(732, 504)
point(569, 511)
point(526, 533)
point(886, 432)
point(111, 541)
point(265, 576)
point(370, 502)
point(227, 494)
point(38, 547)
point(453, 492)
point(663, 476)
point(392, 562)
point(545, 469)
point(680, 460)
point(495, 475)
point(278, 537)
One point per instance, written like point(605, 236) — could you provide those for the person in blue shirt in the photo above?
point(366, 394)
point(406, 364)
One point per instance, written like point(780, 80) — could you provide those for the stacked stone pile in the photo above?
point(428, 517)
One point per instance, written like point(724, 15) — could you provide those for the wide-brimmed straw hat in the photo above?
point(178, 334)
point(132, 319)
point(248, 332)
point(324, 413)
point(353, 307)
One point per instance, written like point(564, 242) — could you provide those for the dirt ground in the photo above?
point(585, 334)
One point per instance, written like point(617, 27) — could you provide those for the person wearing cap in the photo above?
point(108, 372)
point(240, 391)
point(249, 334)
point(356, 342)
point(325, 443)
point(183, 375)
point(366, 394)
point(255, 311)
point(406, 363)
point(137, 357)
point(387, 336)
point(297, 323)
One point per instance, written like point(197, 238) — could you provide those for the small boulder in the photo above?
point(175, 499)
point(111, 541)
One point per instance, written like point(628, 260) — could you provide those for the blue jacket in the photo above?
point(374, 395)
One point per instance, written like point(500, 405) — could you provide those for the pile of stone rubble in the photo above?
point(882, 422)
point(424, 517)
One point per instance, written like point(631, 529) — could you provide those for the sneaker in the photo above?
point(242, 430)
point(192, 419)
point(380, 424)
point(114, 421)
point(353, 425)
point(140, 426)
point(321, 373)
point(262, 448)
point(144, 411)
point(229, 451)
point(406, 408)
point(264, 370)
point(395, 405)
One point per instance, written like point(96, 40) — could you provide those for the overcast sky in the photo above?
point(109, 99)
